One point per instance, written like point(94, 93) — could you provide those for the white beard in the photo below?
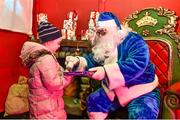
point(103, 49)
point(106, 45)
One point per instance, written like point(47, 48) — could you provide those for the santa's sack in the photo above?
point(17, 99)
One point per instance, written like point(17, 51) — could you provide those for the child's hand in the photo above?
point(68, 79)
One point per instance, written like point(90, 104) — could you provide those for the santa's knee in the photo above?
point(95, 98)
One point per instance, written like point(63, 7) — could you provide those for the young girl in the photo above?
point(46, 79)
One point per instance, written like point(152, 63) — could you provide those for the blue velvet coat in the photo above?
point(133, 61)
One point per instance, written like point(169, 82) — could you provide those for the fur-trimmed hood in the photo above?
point(31, 51)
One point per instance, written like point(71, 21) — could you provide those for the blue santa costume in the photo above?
point(130, 80)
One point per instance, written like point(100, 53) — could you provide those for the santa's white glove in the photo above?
point(98, 73)
point(71, 62)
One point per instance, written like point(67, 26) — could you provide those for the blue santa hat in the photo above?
point(108, 19)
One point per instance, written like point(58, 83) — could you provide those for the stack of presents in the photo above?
point(70, 26)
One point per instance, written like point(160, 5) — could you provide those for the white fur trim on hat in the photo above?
point(107, 23)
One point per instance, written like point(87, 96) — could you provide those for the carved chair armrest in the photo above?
point(171, 101)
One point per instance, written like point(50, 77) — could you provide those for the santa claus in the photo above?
point(120, 59)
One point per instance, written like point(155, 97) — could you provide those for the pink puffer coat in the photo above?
point(46, 82)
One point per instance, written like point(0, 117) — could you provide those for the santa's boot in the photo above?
point(97, 115)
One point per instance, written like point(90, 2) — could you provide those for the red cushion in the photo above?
point(177, 114)
point(159, 55)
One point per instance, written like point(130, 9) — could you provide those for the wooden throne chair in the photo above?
point(157, 26)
